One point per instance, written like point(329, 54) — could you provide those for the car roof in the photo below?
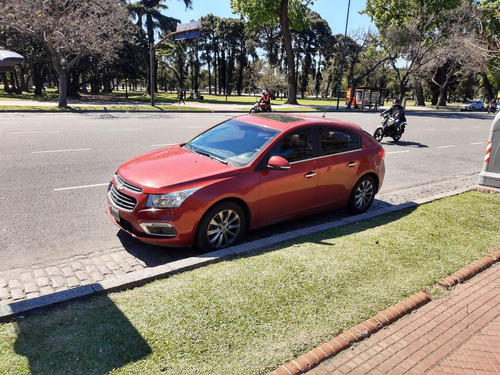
point(283, 121)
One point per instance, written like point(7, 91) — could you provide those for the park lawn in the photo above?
point(251, 314)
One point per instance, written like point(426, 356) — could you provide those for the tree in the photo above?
point(154, 20)
point(289, 14)
point(411, 30)
point(68, 30)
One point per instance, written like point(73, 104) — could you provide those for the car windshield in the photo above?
point(233, 142)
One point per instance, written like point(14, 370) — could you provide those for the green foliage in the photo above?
point(259, 12)
point(397, 12)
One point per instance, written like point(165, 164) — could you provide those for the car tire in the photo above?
point(222, 226)
point(362, 195)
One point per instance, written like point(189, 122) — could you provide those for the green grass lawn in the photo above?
point(252, 314)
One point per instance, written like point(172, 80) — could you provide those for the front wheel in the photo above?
point(252, 110)
point(379, 134)
point(362, 195)
point(222, 225)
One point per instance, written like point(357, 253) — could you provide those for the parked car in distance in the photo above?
point(476, 105)
point(244, 173)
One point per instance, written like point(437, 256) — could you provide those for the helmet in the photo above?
point(396, 102)
point(264, 92)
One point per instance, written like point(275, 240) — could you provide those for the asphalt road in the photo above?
point(55, 168)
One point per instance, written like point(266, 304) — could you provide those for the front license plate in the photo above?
point(114, 212)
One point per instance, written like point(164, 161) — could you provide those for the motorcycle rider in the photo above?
point(265, 98)
point(398, 112)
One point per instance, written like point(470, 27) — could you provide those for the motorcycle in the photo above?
point(492, 108)
point(260, 107)
point(386, 128)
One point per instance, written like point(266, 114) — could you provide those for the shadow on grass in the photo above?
point(94, 337)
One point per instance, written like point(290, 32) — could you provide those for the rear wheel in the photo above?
point(362, 195)
point(379, 134)
point(222, 225)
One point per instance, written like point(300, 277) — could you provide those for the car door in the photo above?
point(338, 164)
point(286, 193)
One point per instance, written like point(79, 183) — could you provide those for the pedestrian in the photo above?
point(180, 95)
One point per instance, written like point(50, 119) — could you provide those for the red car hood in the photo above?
point(169, 166)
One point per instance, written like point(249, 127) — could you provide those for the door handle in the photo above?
point(310, 174)
point(352, 164)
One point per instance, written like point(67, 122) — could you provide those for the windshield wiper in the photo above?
point(210, 156)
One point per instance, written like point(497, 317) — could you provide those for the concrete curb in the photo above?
point(383, 319)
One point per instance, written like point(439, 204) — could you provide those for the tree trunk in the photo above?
point(290, 62)
point(419, 93)
point(63, 89)
point(487, 86)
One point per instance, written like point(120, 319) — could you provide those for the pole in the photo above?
point(343, 53)
point(152, 74)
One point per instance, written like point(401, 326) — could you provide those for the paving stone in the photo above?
point(81, 275)
point(57, 282)
point(46, 290)
point(112, 266)
point(4, 293)
point(14, 284)
point(52, 271)
point(68, 271)
point(42, 281)
point(73, 281)
point(91, 268)
point(26, 276)
point(30, 288)
point(17, 294)
point(78, 265)
point(39, 272)
point(96, 276)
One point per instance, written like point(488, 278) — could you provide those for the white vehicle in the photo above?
point(476, 105)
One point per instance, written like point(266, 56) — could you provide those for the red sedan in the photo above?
point(244, 173)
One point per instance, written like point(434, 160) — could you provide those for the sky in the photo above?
point(333, 11)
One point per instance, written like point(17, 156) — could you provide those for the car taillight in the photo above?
point(381, 153)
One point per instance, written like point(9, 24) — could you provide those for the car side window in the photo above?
point(336, 141)
point(295, 146)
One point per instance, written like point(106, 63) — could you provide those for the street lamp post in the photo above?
point(343, 53)
point(185, 31)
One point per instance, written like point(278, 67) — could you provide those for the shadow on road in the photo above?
point(154, 255)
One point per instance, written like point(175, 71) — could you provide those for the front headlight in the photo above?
point(170, 200)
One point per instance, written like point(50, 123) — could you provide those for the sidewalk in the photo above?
point(455, 334)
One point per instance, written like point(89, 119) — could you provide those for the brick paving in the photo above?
point(40, 280)
point(455, 334)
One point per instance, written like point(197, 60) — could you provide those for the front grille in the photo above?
point(127, 185)
point(122, 200)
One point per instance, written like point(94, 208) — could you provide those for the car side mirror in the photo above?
point(279, 163)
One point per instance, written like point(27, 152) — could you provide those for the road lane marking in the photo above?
point(124, 130)
point(69, 150)
point(428, 129)
point(44, 132)
point(81, 187)
point(450, 146)
point(477, 143)
point(397, 152)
